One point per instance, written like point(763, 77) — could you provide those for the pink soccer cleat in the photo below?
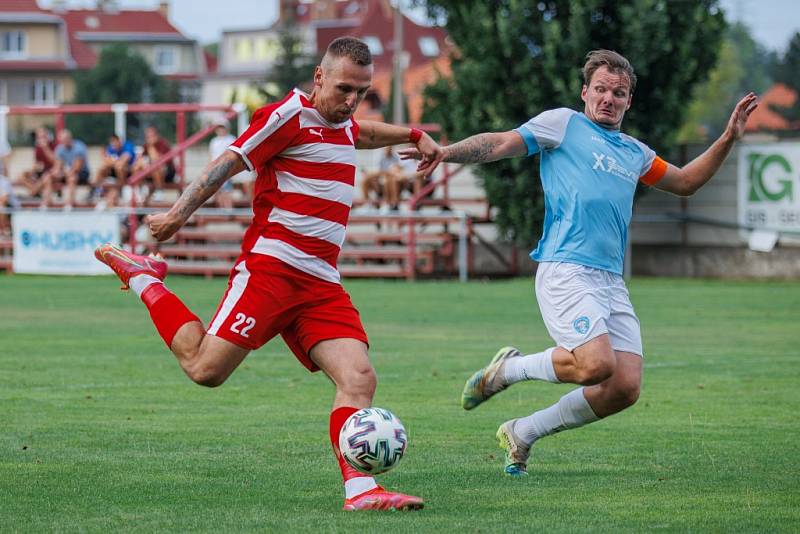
point(380, 499)
point(126, 264)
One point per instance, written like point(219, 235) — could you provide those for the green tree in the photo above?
point(121, 75)
point(293, 67)
point(787, 71)
point(743, 65)
point(212, 49)
point(517, 58)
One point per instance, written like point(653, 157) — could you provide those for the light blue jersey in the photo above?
point(589, 176)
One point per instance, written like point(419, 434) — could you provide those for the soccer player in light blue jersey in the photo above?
point(589, 173)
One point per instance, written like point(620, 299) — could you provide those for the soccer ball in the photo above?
point(373, 440)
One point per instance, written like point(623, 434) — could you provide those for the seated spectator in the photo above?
point(7, 197)
point(44, 159)
point(155, 146)
point(216, 147)
point(5, 159)
point(118, 158)
point(7, 200)
point(403, 176)
point(70, 169)
point(374, 182)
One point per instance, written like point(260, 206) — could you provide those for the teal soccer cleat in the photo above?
point(516, 451)
point(487, 381)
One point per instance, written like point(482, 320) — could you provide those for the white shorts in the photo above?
point(579, 303)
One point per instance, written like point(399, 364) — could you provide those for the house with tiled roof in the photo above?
point(34, 56)
point(149, 32)
point(765, 118)
point(425, 50)
point(40, 49)
point(373, 22)
point(246, 56)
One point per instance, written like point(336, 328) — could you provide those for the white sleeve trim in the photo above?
point(550, 127)
point(241, 153)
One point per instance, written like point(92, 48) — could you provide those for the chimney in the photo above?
point(287, 11)
point(163, 8)
point(59, 6)
point(108, 6)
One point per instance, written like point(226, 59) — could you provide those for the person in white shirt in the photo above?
point(219, 144)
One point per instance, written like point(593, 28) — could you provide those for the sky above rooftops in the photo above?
point(772, 22)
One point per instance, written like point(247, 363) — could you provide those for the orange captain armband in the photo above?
point(657, 171)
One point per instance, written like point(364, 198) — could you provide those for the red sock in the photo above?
point(338, 418)
point(166, 310)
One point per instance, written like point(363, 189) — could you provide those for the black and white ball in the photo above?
point(373, 440)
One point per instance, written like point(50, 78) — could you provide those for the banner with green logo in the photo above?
point(769, 186)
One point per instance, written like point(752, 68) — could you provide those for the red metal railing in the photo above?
point(416, 199)
point(178, 150)
point(181, 142)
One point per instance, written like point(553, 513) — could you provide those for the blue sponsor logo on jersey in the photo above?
point(581, 324)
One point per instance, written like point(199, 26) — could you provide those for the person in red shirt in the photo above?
point(286, 281)
point(44, 159)
point(155, 146)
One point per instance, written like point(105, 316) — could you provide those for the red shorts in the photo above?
point(266, 297)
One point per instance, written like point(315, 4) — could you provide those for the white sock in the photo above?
point(357, 486)
point(571, 411)
point(537, 366)
point(140, 282)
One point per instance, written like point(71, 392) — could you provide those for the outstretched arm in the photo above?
point(373, 134)
point(484, 147)
point(687, 180)
point(164, 225)
point(480, 148)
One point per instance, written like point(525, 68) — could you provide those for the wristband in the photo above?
point(415, 135)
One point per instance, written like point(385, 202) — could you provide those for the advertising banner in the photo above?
point(62, 242)
point(769, 186)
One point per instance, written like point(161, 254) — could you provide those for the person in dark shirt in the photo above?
point(155, 146)
point(44, 158)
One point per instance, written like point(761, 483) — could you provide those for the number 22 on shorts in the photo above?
point(242, 319)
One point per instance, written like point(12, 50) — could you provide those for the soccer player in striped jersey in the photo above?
point(286, 281)
point(589, 173)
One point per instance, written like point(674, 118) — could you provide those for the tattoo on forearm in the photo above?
point(201, 190)
point(475, 149)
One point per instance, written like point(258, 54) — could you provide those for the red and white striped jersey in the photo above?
point(306, 174)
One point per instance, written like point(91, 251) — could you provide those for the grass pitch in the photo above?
point(101, 430)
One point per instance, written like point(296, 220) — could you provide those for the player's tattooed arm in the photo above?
point(164, 225)
point(485, 147)
point(204, 188)
point(368, 137)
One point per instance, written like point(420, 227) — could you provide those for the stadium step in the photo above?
point(6, 249)
point(377, 247)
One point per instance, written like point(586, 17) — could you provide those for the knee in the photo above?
point(360, 380)
point(626, 393)
point(596, 370)
point(207, 376)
